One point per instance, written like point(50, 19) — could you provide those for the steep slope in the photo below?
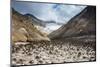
point(82, 24)
point(35, 20)
point(25, 29)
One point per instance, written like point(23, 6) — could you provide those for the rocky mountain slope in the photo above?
point(35, 20)
point(26, 28)
point(82, 24)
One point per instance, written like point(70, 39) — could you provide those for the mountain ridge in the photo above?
point(83, 23)
point(24, 29)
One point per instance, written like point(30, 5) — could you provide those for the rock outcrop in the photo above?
point(24, 28)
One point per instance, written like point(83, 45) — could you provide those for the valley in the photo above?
point(74, 41)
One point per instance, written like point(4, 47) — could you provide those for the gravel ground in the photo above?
point(56, 51)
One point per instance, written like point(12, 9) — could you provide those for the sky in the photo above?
point(60, 13)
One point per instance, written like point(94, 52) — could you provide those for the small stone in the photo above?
point(31, 61)
point(14, 59)
point(29, 54)
point(50, 52)
point(84, 57)
point(37, 57)
point(40, 61)
point(79, 54)
point(20, 60)
point(77, 49)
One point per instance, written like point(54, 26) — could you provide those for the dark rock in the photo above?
point(82, 24)
point(37, 57)
point(31, 61)
point(79, 54)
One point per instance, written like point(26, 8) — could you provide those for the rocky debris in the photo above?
point(48, 52)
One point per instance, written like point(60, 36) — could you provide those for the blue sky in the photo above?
point(55, 12)
point(60, 13)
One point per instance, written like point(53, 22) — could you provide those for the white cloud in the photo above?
point(49, 12)
point(59, 13)
point(45, 11)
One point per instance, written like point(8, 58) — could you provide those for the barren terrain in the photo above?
point(55, 51)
